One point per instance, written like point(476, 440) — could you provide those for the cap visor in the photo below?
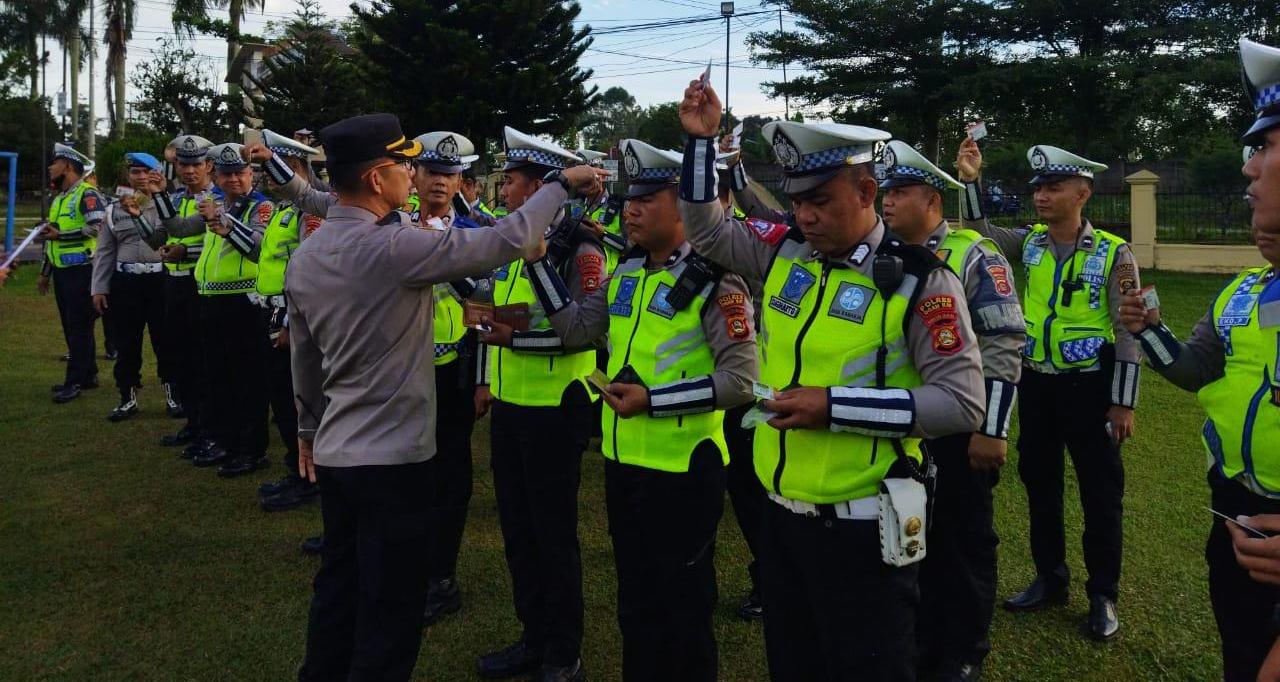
point(444, 168)
point(1253, 136)
point(792, 184)
point(640, 189)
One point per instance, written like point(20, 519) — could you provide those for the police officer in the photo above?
point(286, 230)
point(362, 396)
point(437, 175)
point(181, 296)
point(235, 339)
point(75, 217)
point(471, 194)
point(607, 216)
point(542, 416)
point(128, 278)
point(958, 577)
point(1080, 374)
point(1229, 362)
point(683, 351)
point(866, 346)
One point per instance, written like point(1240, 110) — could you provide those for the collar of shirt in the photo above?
point(1085, 241)
point(682, 252)
point(935, 238)
point(859, 258)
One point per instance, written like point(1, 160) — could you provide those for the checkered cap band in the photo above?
point(656, 174)
point(913, 173)
point(537, 156)
point(831, 158)
point(1065, 169)
point(288, 151)
point(433, 155)
point(1267, 96)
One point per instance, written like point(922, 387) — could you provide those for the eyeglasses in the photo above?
point(405, 164)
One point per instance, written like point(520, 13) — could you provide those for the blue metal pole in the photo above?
point(13, 193)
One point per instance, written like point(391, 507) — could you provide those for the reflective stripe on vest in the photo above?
point(1243, 425)
point(278, 244)
point(531, 379)
point(66, 213)
point(1067, 336)
point(662, 345)
point(222, 269)
point(187, 207)
point(820, 326)
point(448, 329)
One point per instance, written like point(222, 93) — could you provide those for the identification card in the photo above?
point(1150, 300)
point(756, 416)
point(977, 130)
point(598, 380)
point(706, 76)
point(761, 391)
point(1228, 519)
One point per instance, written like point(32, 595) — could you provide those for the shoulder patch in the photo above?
point(940, 317)
point(91, 202)
point(767, 232)
point(590, 271)
point(733, 306)
point(310, 223)
point(1126, 276)
point(264, 212)
point(999, 274)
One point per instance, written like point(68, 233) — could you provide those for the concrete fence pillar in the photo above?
point(1142, 216)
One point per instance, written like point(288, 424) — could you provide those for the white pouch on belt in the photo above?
point(903, 502)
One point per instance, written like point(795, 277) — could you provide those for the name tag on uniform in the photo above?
point(1094, 270)
point(1032, 254)
point(798, 283)
point(851, 302)
point(621, 304)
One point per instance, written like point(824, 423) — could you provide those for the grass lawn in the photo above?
point(120, 561)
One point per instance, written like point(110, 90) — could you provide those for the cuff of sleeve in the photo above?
point(308, 435)
point(164, 206)
point(883, 412)
point(1000, 398)
point(551, 290)
point(145, 227)
point(687, 396)
point(698, 172)
point(737, 177)
point(240, 235)
point(279, 171)
point(1124, 384)
point(971, 201)
point(1159, 345)
point(539, 341)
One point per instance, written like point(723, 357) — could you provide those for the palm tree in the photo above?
point(77, 43)
point(187, 12)
point(25, 22)
point(119, 32)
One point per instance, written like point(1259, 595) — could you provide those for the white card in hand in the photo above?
point(977, 130)
point(737, 136)
point(761, 391)
point(706, 75)
point(756, 416)
point(1150, 300)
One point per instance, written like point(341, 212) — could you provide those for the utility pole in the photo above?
point(726, 11)
point(91, 135)
point(44, 115)
point(786, 99)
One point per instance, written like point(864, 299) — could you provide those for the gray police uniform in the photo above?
point(129, 272)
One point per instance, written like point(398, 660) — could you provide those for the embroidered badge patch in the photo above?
point(590, 271)
point(658, 303)
point(622, 298)
point(940, 316)
point(734, 308)
point(851, 302)
point(798, 283)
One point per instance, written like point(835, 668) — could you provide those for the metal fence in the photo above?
point(1221, 218)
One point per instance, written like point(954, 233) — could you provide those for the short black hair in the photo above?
point(532, 171)
point(345, 177)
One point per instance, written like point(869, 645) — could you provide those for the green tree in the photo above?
point(20, 116)
point(313, 81)
point(119, 31)
point(613, 117)
point(473, 66)
point(907, 65)
point(22, 24)
point(660, 126)
point(179, 94)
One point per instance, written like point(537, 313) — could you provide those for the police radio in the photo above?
point(698, 271)
point(612, 208)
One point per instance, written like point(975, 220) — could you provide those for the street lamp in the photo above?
point(726, 11)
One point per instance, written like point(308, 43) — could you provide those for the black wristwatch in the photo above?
point(558, 176)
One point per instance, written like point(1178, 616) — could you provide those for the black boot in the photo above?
point(1038, 595)
point(269, 488)
point(558, 673)
point(172, 405)
point(751, 608)
point(215, 455)
point(313, 545)
point(517, 659)
point(68, 393)
point(443, 598)
point(197, 448)
point(90, 384)
point(128, 405)
point(298, 493)
point(184, 435)
point(1104, 622)
point(243, 464)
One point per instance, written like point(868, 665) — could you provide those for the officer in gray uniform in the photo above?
point(1078, 388)
point(839, 600)
point(128, 278)
point(958, 577)
point(362, 396)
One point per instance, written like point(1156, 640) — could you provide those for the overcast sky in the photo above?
point(652, 64)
